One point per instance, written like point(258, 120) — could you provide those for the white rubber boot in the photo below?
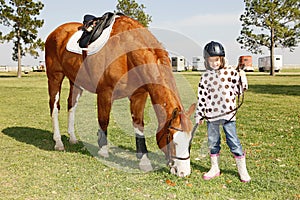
point(242, 169)
point(214, 170)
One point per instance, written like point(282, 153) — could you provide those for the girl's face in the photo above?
point(214, 62)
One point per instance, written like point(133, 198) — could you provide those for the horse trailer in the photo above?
point(198, 65)
point(178, 63)
point(245, 63)
point(264, 63)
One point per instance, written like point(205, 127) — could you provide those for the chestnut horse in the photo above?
point(131, 64)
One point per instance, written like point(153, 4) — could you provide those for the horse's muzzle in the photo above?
point(180, 168)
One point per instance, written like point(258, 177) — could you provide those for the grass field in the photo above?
point(268, 124)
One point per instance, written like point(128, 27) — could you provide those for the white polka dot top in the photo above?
point(217, 92)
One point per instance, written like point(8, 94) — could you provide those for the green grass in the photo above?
point(268, 124)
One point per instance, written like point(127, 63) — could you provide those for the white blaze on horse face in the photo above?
point(55, 124)
point(71, 121)
point(182, 142)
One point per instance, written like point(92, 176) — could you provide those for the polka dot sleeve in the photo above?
point(202, 93)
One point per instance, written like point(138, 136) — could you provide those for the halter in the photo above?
point(170, 157)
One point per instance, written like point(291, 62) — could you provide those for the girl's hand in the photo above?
point(200, 122)
point(242, 73)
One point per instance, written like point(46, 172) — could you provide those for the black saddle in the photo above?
point(101, 23)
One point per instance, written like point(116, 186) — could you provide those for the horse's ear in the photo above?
point(175, 113)
point(191, 110)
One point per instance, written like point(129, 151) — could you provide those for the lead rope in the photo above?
point(241, 89)
point(192, 133)
point(239, 104)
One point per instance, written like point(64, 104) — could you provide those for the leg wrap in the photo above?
point(102, 138)
point(141, 147)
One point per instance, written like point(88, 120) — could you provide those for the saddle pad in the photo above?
point(73, 45)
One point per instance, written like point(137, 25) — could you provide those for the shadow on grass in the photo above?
point(8, 76)
point(292, 90)
point(195, 165)
point(42, 139)
point(120, 157)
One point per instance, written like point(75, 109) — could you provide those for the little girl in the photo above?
point(217, 92)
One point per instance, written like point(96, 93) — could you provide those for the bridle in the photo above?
point(169, 156)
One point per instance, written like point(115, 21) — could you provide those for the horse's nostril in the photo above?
point(181, 174)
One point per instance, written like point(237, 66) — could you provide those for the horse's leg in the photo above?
point(74, 95)
point(54, 88)
point(104, 106)
point(137, 106)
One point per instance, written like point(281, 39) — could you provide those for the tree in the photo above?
point(270, 23)
point(134, 10)
point(20, 17)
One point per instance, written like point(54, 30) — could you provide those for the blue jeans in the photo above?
point(214, 137)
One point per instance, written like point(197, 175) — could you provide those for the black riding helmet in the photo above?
point(213, 49)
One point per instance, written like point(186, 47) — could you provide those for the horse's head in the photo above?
point(175, 138)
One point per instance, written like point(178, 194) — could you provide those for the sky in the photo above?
point(183, 27)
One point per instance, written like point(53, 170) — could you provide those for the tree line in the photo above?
point(265, 23)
